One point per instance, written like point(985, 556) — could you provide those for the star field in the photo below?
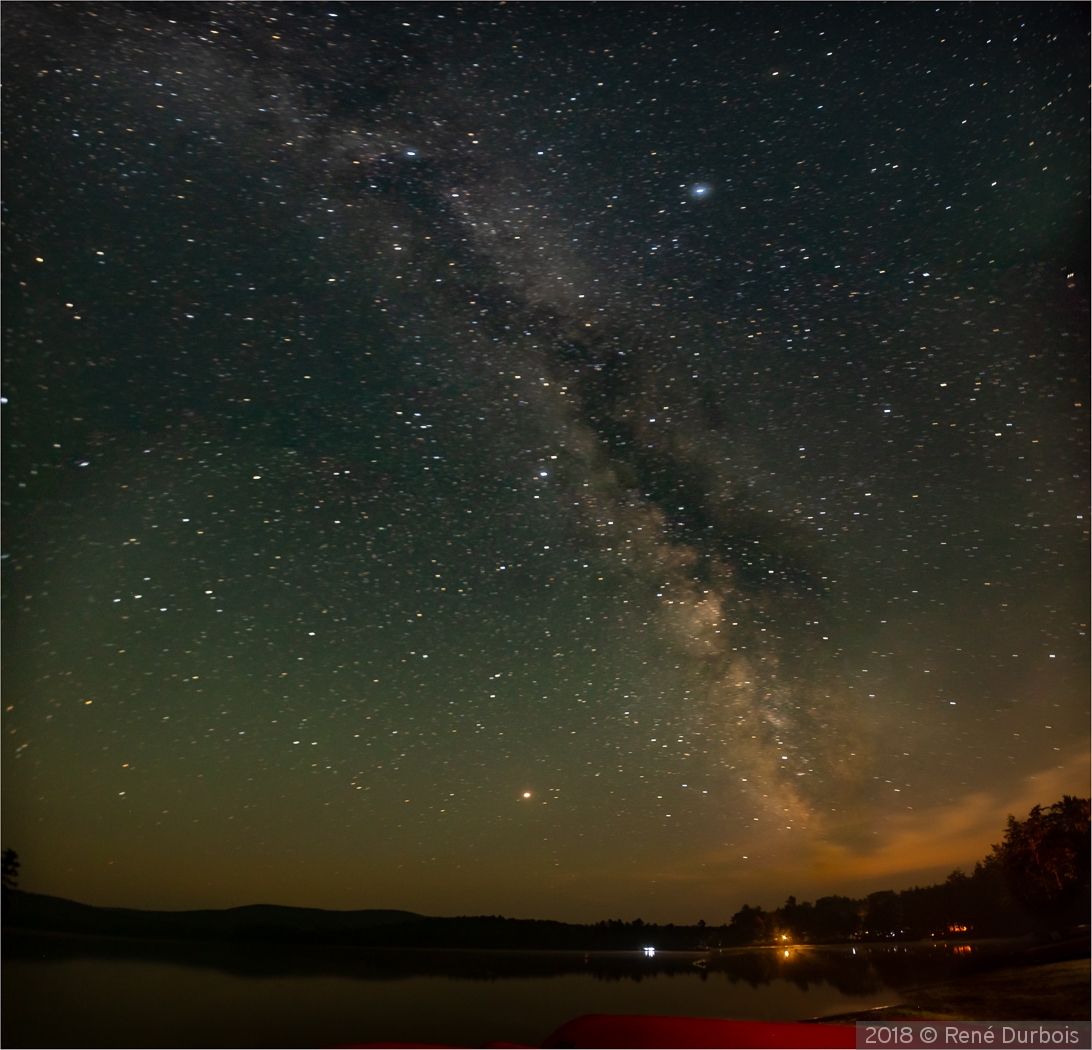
point(551, 460)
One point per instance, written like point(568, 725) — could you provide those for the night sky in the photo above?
point(565, 461)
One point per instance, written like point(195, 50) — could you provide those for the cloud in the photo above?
point(950, 836)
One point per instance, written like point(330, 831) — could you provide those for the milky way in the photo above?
point(539, 459)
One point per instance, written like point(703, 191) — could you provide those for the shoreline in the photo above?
point(1052, 991)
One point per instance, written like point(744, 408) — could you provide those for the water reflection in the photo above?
point(64, 991)
point(852, 970)
point(84, 991)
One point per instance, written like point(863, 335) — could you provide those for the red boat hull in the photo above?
point(640, 1031)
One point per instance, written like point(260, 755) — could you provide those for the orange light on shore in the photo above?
point(527, 794)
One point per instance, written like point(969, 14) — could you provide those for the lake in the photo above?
point(62, 991)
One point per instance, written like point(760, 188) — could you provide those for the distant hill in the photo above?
point(37, 911)
point(270, 923)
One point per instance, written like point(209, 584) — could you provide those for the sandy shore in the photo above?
point(1051, 992)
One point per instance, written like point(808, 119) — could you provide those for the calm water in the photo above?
point(88, 992)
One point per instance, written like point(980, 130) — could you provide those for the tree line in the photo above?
point(1035, 879)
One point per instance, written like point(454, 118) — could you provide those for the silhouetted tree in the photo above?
point(749, 925)
point(883, 915)
point(794, 920)
point(1045, 860)
point(9, 869)
point(835, 918)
